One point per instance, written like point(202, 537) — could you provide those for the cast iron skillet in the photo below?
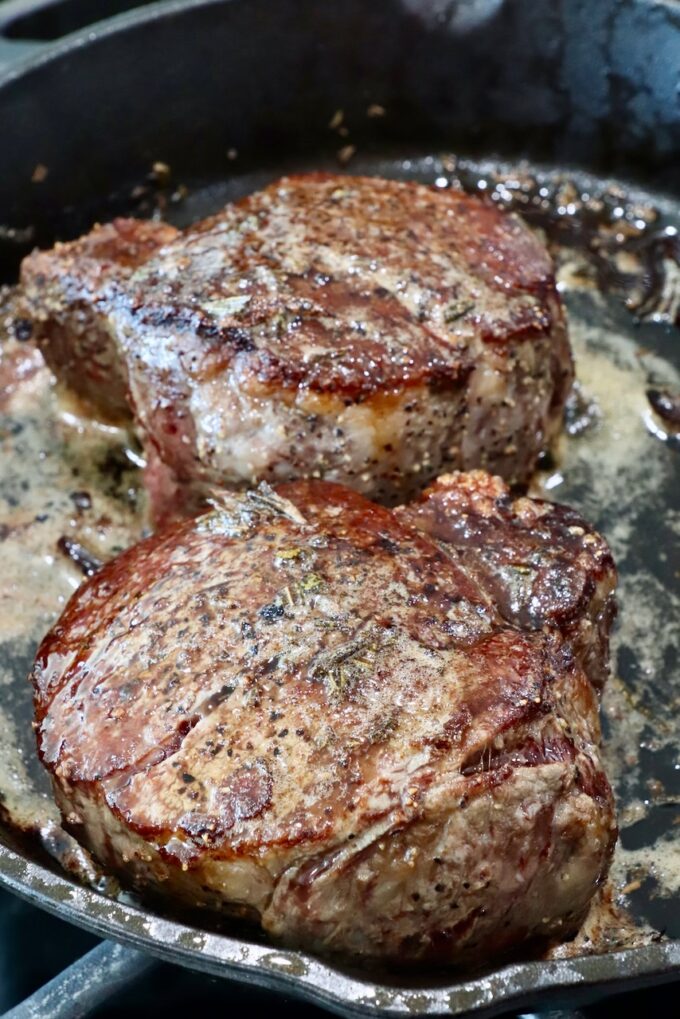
point(192, 82)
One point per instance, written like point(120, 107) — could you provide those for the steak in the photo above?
point(538, 562)
point(373, 731)
point(67, 289)
point(359, 330)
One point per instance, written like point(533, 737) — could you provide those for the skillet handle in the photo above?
point(89, 982)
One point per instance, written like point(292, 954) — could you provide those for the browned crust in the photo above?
point(306, 708)
point(539, 562)
point(66, 290)
point(478, 272)
point(117, 721)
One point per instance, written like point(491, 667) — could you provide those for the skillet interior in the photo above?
point(186, 81)
point(490, 77)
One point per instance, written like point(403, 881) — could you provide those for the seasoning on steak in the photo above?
point(360, 330)
point(68, 289)
point(539, 563)
point(345, 721)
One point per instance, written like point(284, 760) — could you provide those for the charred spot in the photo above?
point(180, 318)
point(114, 467)
point(546, 461)
point(238, 338)
point(207, 329)
point(271, 612)
point(390, 546)
point(563, 658)
point(201, 826)
point(503, 503)
point(218, 698)
point(22, 329)
point(81, 500)
point(87, 562)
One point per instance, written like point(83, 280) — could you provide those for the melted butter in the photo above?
point(625, 480)
point(61, 475)
point(27, 808)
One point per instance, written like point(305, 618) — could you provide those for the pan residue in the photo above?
point(70, 498)
point(65, 481)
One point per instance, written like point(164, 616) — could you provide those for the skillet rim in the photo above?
point(516, 985)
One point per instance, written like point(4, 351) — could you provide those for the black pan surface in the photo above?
point(183, 106)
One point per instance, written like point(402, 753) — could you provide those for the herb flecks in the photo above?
point(265, 500)
point(457, 309)
point(235, 516)
point(231, 518)
point(342, 667)
point(310, 583)
point(287, 554)
point(226, 307)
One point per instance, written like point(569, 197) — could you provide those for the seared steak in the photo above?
point(538, 562)
point(360, 330)
point(67, 289)
point(350, 723)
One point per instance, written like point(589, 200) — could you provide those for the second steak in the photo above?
point(355, 329)
point(373, 732)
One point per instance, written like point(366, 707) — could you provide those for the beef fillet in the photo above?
point(364, 331)
point(374, 731)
